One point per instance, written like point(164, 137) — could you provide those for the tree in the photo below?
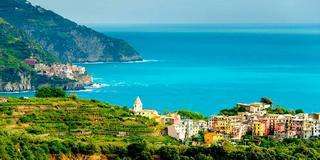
point(139, 151)
point(47, 92)
point(298, 111)
point(203, 157)
point(191, 115)
point(266, 100)
point(169, 153)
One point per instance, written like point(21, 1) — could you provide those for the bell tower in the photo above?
point(137, 105)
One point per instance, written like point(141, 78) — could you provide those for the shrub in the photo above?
point(35, 130)
point(266, 100)
point(47, 92)
point(191, 115)
point(169, 153)
point(6, 110)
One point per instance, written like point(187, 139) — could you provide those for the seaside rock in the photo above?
point(22, 85)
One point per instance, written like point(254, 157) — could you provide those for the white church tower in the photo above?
point(137, 105)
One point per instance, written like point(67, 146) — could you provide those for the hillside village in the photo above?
point(254, 121)
point(67, 71)
point(71, 128)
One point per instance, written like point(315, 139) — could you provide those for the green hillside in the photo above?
point(63, 38)
point(39, 121)
point(15, 74)
point(16, 43)
point(15, 47)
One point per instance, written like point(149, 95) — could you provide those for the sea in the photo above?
point(208, 67)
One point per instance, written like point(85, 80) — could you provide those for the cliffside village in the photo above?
point(68, 71)
point(255, 121)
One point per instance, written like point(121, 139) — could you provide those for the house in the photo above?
point(171, 118)
point(212, 137)
point(316, 128)
point(193, 127)
point(138, 110)
point(177, 131)
point(256, 108)
point(239, 130)
point(315, 119)
point(221, 124)
point(258, 129)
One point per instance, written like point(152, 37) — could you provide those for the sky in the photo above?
point(185, 11)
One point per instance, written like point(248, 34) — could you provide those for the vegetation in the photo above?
point(47, 92)
point(266, 100)
point(232, 111)
point(283, 110)
point(274, 109)
point(191, 115)
point(15, 47)
point(69, 126)
point(62, 128)
point(62, 37)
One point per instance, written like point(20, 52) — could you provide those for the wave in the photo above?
point(97, 86)
point(78, 91)
point(143, 61)
point(91, 63)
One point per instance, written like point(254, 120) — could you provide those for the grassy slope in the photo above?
point(17, 44)
point(80, 120)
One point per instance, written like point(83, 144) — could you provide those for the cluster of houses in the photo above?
point(68, 71)
point(180, 129)
point(254, 121)
point(257, 122)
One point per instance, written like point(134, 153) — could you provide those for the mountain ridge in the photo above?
point(15, 74)
point(64, 38)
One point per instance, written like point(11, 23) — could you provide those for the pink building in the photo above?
point(31, 61)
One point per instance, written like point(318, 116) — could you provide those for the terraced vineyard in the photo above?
point(65, 117)
point(62, 128)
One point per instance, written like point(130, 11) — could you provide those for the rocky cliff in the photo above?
point(65, 39)
point(24, 83)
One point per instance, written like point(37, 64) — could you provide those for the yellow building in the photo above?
point(258, 129)
point(223, 124)
point(212, 137)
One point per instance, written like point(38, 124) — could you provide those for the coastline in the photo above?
point(129, 62)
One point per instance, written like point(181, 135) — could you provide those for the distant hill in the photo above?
point(63, 38)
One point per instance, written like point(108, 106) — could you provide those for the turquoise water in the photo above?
point(205, 68)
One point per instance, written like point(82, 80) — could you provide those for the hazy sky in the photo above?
point(186, 11)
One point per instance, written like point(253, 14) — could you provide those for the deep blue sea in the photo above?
point(205, 68)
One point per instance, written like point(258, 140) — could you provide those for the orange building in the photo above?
point(212, 137)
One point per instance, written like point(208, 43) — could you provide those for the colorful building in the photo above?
point(258, 129)
point(171, 118)
point(212, 137)
point(177, 131)
point(137, 105)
